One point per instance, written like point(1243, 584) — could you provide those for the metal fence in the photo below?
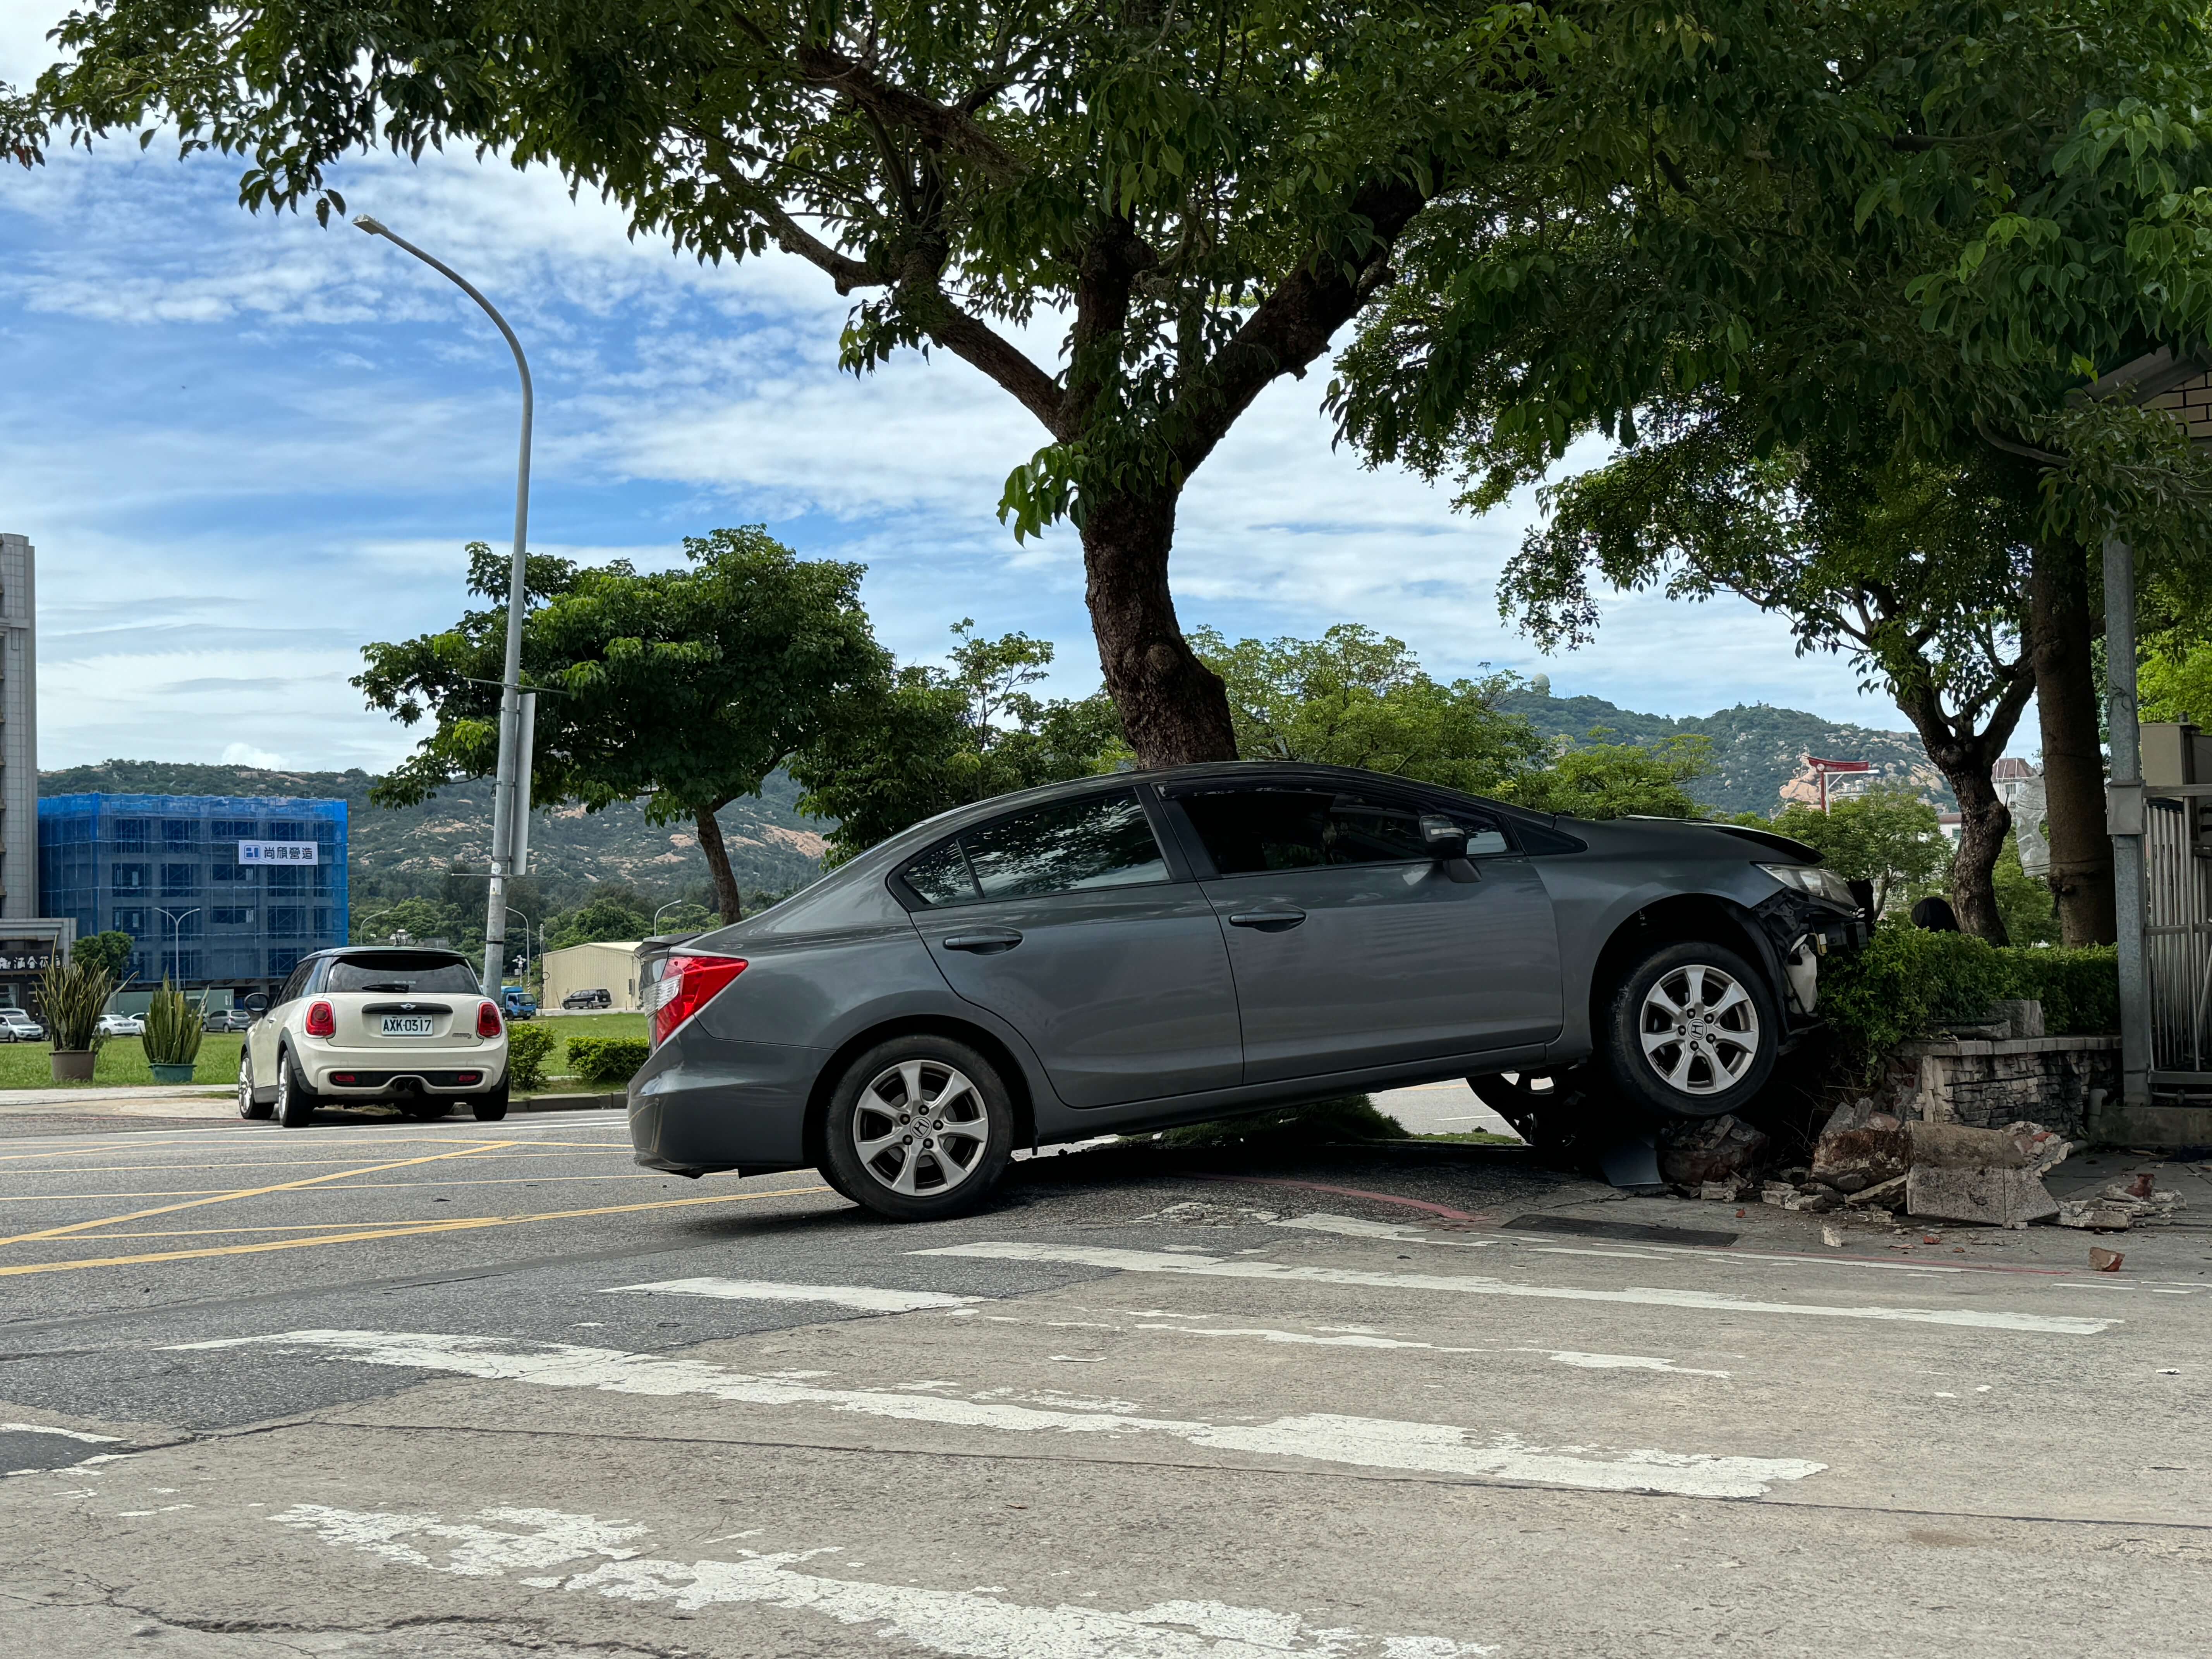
point(2178, 933)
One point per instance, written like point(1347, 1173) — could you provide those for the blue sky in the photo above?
point(247, 446)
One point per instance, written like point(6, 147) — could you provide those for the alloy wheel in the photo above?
point(1699, 1030)
point(919, 1128)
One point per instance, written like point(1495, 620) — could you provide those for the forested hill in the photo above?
point(772, 848)
point(1757, 748)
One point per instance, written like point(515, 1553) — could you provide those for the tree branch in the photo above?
point(953, 131)
point(977, 344)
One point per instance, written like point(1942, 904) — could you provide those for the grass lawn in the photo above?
point(122, 1059)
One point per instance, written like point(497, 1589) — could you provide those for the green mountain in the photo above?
point(1757, 748)
point(402, 852)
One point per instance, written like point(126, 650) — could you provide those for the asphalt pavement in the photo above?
point(385, 1387)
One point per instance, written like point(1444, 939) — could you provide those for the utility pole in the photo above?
point(510, 813)
point(2124, 816)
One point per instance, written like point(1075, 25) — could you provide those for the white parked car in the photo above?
point(115, 1025)
point(20, 1025)
point(359, 1023)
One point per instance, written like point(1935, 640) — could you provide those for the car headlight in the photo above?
point(1815, 879)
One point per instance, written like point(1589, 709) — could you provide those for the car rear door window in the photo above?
point(1246, 831)
point(1073, 846)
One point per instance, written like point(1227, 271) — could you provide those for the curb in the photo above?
point(569, 1103)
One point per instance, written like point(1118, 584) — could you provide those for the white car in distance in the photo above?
point(358, 1023)
point(119, 1025)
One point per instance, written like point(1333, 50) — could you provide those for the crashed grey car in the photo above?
point(1132, 951)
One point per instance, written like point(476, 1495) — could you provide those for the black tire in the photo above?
point(920, 1172)
point(296, 1103)
point(490, 1106)
point(426, 1106)
point(1712, 1054)
point(252, 1110)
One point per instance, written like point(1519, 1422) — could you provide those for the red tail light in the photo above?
point(321, 1021)
point(487, 1023)
point(686, 985)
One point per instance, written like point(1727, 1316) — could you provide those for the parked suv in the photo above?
point(356, 1022)
point(587, 1000)
point(1126, 952)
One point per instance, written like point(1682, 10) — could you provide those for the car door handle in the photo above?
point(1267, 921)
point(984, 943)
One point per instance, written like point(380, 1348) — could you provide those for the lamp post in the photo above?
point(506, 790)
point(176, 920)
point(673, 904)
point(525, 944)
point(363, 922)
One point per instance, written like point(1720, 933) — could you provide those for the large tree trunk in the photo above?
point(1173, 706)
point(2059, 631)
point(727, 899)
point(1983, 820)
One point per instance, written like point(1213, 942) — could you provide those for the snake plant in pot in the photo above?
point(173, 1036)
point(72, 993)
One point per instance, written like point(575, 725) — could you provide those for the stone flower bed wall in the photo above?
point(2059, 1082)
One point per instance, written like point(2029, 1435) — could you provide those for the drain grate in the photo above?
point(1627, 1230)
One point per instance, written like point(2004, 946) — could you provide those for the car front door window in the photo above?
point(1075, 847)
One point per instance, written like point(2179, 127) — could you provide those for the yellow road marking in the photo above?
point(463, 1224)
point(248, 1191)
point(364, 1187)
point(273, 1164)
point(232, 1232)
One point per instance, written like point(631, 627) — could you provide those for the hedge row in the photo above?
point(1907, 982)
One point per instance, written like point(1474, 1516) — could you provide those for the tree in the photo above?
point(1916, 571)
point(616, 915)
point(931, 739)
point(417, 918)
point(1357, 698)
point(684, 688)
point(1604, 779)
point(1887, 835)
point(1205, 193)
point(109, 952)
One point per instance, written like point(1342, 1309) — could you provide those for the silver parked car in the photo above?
point(1132, 951)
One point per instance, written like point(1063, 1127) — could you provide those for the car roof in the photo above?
point(384, 951)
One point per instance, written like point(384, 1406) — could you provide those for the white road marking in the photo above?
point(866, 1298)
point(1623, 1362)
point(1366, 1441)
point(1268, 1335)
point(1157, 1261)
point(67, 1434)
point(977, 1623)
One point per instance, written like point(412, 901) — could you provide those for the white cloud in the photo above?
point(245, 754)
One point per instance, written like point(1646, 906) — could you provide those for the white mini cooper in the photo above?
point(412, 1027)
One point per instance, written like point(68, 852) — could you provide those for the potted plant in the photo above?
point(173, 1036)
point(73, 993)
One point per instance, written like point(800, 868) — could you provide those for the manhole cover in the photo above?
point(1628, 1230)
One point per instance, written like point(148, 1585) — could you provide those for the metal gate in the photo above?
point(2177, 939)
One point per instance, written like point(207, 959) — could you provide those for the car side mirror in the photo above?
point(1446, 844)
point(257, 1004)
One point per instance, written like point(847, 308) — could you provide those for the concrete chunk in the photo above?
point(1995, 1197)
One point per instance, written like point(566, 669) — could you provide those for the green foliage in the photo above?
point(605, 916)
point(2174, 682)
point(933, 738)
point(72, 996)
point(2028, 906)
point(1316, 1123)
point(1357, 698)
point(686, 688)
point(606, 1059)
point(109, 950)
point(528, 1048)
point(173, 1027)
point(1907, 982)
point(1887, 835)
point(1618, 780)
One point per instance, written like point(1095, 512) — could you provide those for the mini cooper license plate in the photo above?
point(407, 1025)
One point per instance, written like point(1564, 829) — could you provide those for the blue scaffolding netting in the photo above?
point(215, 890)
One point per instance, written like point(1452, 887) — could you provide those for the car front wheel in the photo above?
point(1692, 1032)
point(248, 1107)
point(919, 1128)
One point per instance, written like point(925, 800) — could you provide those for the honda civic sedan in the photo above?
point(1132, 952)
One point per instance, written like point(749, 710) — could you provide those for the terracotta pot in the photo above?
point(72, 1065)
point(164, 1073)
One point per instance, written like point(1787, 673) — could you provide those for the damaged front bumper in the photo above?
point(1804, 931)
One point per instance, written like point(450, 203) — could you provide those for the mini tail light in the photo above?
point(321, 1021)
point(344, 1080)
point(487, 1019)
point(464, 1078)
point(686, 985)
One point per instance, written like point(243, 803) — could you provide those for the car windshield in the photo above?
point(401, 971)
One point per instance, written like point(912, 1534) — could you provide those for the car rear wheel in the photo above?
point(425, 1106)
point(248, 1107)
point(296, 1101)
point(1692, 1032)
point(490, 1106)
point(919, 1128)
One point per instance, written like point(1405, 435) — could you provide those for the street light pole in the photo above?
point(525, 943)
point(506, 790)
point(176, 920)
point(673, 904)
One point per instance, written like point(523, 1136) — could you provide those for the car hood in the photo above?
point(1693, 836)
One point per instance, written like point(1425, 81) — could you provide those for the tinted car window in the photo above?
point(1248, 830)
point(400, 973)
point(1104, 841)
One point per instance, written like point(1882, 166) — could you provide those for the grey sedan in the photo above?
point(1132, 952)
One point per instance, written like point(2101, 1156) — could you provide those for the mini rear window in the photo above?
point(397, 973)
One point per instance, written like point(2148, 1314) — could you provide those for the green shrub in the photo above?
point(173, 1028)
point(1907, 982)
point(71, 994)
point(528, 1048)
point(606, 1058)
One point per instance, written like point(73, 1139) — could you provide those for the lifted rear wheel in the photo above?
point(919, 1128)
